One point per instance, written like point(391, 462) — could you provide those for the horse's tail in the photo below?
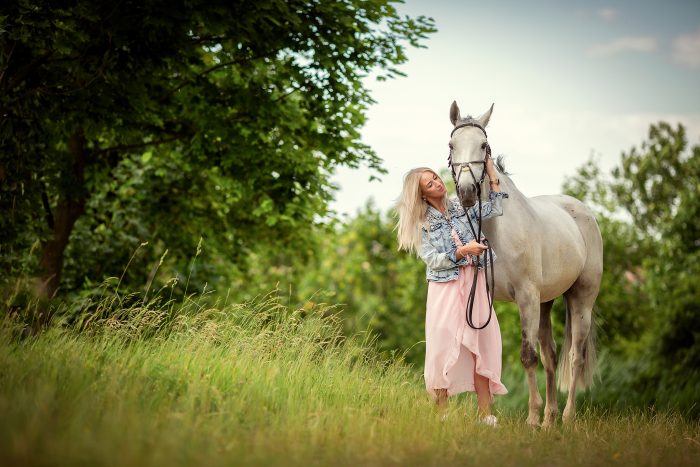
point(590, 357)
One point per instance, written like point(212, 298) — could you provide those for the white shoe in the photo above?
point(489, 420)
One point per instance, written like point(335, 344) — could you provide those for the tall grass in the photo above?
point(139, 382)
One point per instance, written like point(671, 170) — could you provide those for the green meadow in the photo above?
point(253, 383)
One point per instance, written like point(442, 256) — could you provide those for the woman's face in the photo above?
point(431, 186)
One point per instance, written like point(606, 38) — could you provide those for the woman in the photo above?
point(458, 358)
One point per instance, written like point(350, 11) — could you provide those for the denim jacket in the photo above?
point(438, 248)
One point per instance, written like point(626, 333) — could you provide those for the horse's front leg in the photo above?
point(529, 304)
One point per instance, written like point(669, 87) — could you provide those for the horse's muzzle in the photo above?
point(467, 195)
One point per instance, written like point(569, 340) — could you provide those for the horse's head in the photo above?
point(469, 150)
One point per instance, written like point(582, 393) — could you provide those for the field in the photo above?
point(255, 384)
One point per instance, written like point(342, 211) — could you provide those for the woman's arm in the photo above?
point(435, 260)
point(490, 208)
point(494, 182)
point(493, 206)
point(441, 261)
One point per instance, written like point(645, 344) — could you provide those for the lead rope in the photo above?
point(488, 254)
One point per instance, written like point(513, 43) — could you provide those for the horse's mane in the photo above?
point(500, 165)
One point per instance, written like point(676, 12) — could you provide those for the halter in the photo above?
point(477, 235)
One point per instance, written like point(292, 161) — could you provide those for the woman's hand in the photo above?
point(471, 248)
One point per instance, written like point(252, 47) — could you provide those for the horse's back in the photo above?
point(582, 216)
point(561, 216)
point(572, 244)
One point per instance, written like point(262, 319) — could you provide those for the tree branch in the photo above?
point(47, 206)
point(127, 147)
point(203, 39)
point(285, 95)
point(7, 63)
point(214, 68)
point(22, 73)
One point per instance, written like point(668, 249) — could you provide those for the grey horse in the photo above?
point(547, 246)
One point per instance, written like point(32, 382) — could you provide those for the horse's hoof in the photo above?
point(550, 419)
point(546, 425)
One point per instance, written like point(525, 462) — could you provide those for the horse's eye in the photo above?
point(483, 145)
point(450, 146)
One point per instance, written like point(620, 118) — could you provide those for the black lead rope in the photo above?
point(488, 257)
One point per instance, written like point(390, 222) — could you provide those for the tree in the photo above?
point(659, 187)
point(650, 301)
point(222, 117)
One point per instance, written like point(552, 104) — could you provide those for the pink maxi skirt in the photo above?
point(453, 348)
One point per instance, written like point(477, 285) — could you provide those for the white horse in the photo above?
point(547, 246)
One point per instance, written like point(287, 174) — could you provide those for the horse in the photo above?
point(548, 246)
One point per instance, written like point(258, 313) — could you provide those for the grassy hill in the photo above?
point(184, 384)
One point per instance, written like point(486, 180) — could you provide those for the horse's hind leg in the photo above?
point(548, 351)
point(581, 351)
point(529, 304)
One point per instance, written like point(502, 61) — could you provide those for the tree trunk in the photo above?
point(71, 205)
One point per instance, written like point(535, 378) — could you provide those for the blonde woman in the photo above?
point(458, 358)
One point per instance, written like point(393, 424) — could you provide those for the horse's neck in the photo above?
point(515, 196)
point(516, 202)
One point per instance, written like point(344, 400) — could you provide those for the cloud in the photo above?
point(607, 14)
point(644, 44)
point(686, 50)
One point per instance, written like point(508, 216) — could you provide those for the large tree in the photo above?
point(201, 116)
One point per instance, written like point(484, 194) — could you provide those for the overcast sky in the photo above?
point(567, 78)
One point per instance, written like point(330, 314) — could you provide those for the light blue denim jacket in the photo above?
point(438, 248)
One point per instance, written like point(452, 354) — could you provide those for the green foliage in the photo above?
point(649, 306)
point(381, 288)
point(163, 122)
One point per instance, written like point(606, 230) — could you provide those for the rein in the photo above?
point(477, 234)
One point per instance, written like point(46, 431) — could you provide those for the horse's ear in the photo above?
point(454, 113)
point(484, 119)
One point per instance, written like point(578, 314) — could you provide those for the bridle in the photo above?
point(461, 165)
point(456, 174)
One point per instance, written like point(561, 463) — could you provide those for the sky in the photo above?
point(568, 80)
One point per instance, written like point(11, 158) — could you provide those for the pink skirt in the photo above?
point(453, 348)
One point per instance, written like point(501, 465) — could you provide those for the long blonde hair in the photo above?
point(412, 210)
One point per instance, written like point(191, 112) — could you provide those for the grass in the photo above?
point(183, 384)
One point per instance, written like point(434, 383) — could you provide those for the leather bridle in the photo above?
point(456, 175)
point(476, 232)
